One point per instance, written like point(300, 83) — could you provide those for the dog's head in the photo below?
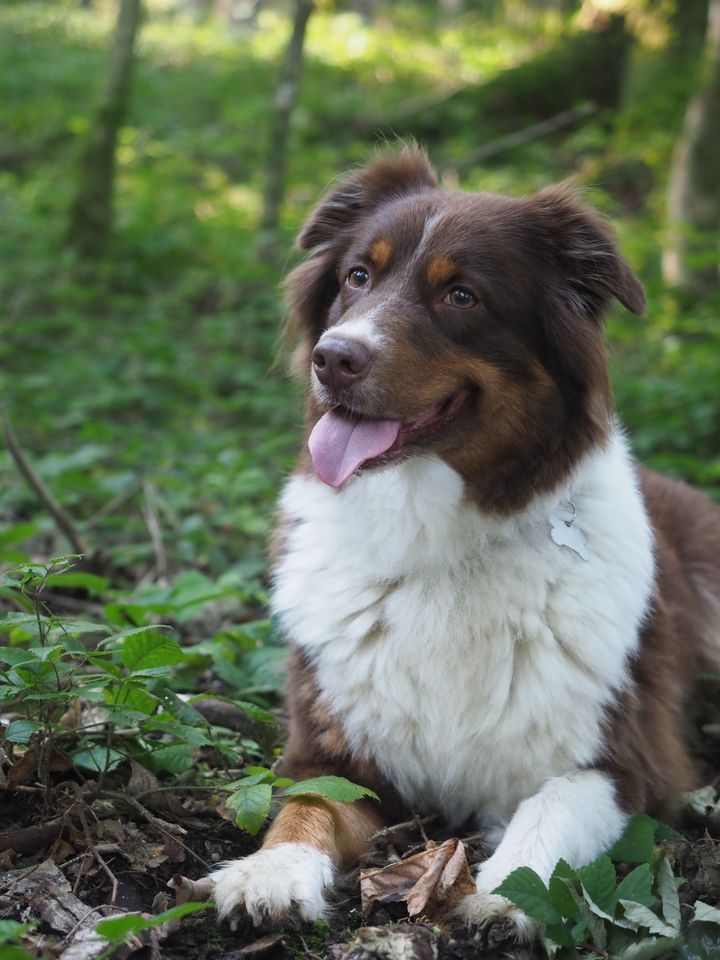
point(466, 324)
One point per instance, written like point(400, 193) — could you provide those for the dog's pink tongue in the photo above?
point(339, 445)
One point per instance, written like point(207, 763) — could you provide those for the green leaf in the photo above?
point(74, 628)
point(195, 736)
point(98, 758)
point(255, 712)
point(704, 913)
point(663, 831)
point(668, 895)
point(266, 776)
point(598, 879)
point(148, 650)
point(636, 843)
point(174, 758)
point(74, 579)
point(182, 709)
point(17, 953)
point(333, 788)
point(525, 888)
point(559, 893)
point(119, 929)
point(559, 934)
point(16, 655)
point(132, 632)
point(251, 806)
point(594, 924)
point(20, 731)
point(646, 918)
point(649, 948)
point(12, 930)
point(637, 886)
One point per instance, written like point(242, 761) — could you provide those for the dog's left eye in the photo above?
point(460, 297)
point(357, 277)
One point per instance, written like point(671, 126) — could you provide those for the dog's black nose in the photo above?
point(340, 363)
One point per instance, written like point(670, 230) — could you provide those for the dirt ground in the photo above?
point(90, 854)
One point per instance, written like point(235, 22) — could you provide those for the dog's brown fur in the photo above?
point(538, 374)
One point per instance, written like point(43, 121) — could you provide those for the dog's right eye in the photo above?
point(357, 277)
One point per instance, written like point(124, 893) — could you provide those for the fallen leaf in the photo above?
point(431, 882)
point(25, 768)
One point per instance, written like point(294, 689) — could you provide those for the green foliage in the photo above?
point(334, 788)
point(588, 910)
point(118, 930)
point(251, 798)
point(53, 663)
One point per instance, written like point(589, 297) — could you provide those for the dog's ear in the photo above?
point(389, 177)
point(588, 268)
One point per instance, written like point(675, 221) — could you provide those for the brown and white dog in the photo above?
point(493, 613)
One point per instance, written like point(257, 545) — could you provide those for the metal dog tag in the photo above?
point(564, 533)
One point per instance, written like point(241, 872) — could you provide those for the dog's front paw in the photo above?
point(276, 887)
point(485, 909)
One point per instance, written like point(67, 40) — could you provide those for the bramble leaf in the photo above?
point(599, 880)
point(148, 650)
point(251, 805)
point(559, 893)
point(333, 788)
point(646, 918)
point(668, 895)
point(636, 843)
point(637, 886)
point(525, 888)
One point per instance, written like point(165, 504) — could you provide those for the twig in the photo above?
point(416, 822)
point(153, 524)
point(82, 920)
point(520, 137)
point(306, 948)
point(171, 828)
point(99, 858)
point(45, 497)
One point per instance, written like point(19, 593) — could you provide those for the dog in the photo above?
point(493, 613)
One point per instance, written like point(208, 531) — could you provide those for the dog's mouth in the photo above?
point(343, 441)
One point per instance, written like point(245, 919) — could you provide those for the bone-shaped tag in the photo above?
point(565, 534)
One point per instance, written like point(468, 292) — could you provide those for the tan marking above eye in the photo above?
point(380, 253)
point(441, 269)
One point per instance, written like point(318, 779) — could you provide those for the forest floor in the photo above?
point(99, 852)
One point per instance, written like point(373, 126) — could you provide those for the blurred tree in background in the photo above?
point(92, 209)
point(692, 255)
point(139, 360)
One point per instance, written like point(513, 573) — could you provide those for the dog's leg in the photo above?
point(576, 818)
point(287, 879)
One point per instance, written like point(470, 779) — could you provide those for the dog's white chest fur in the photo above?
point(470, 657)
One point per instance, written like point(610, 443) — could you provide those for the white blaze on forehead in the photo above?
point(365, 327)
point(430, 224)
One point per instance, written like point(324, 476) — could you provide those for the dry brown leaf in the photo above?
point(25, 768)
point(431, 882)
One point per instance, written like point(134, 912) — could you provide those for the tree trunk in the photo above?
point(91, 213)
point(285, 99)
point(692, 254)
